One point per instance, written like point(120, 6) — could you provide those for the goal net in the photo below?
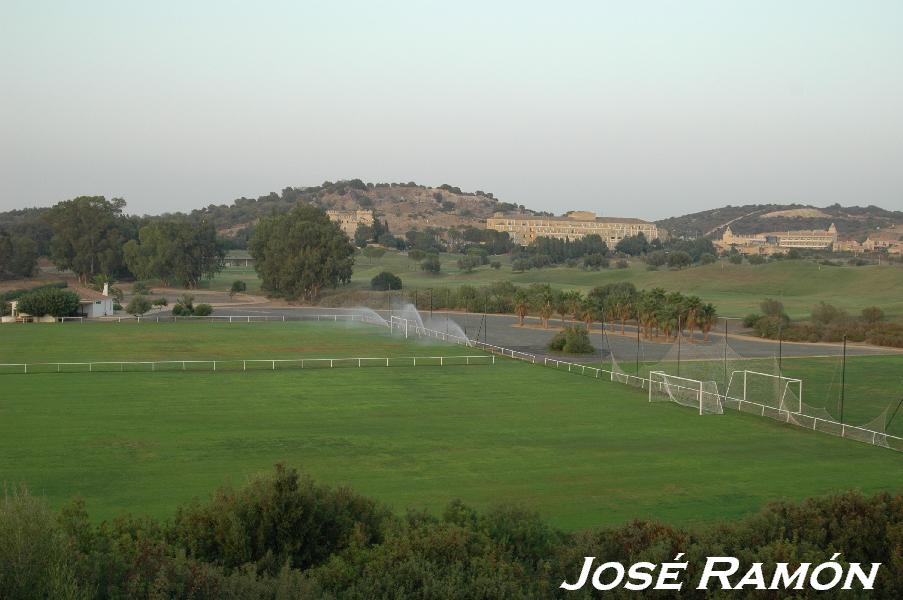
point(754, 390)
point(694, 393)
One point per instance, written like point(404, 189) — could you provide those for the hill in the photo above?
point(851, 221)
point(404, 206)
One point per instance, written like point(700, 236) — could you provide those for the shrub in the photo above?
point(49, 301)
point(468, 263)
point(756, 259)
point(495, 265)
point(872, 315)
point(572, 340)
point(140, 288)
point(595, 262)
point(203, 310)
point(827, 314)
point(385, 281)
point(707, 258)
point(179, 310)
point(117, 306)
point(679, 259)
point(431, 264)
point(657, 259)
point(238, 286)
point(622, 264)
point(161, 301)
point(736, 258)
point(750, 319)
point(520, 264)
point(138, 306)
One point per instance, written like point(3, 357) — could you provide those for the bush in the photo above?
point(140, 288)
point(750, 319)
point(117, 306)
point(179, 310)
point(238, 286)
point(520, 264)
point(707, 258)
point(468, 263)
point(622, 264)
point(679, 259)
point(385, 281)
point(595, 262)
point(872, 315)
point(495, 265)
point(203, 310)
point(431, 264)
point(572, 340)
point(736, 258)
point(160, 302)
point(138, 306)
point(657, 259)
point(49, 301)
point(756, 259)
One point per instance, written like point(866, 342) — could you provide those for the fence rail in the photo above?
point(853, 432)
point(244, 364)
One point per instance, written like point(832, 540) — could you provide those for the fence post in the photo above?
point(274, 365)
point(244, 365)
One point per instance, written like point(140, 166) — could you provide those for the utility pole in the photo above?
point(843, 378)
point(724, 345)
point(891, 420)
point(638, 347)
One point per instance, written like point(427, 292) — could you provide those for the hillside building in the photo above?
point(779, 241)
point(574, 225)
point(887, 240)
point(349, 220)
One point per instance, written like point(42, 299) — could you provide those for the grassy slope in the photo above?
point(584, 452)
point(735, 289)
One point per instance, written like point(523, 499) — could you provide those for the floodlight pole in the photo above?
point(780, 348)
point(887, 426)
point(724, 345)
point(843, 378)
point(638, 347)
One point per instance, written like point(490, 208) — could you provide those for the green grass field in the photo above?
point(584, 452)
point(736, 290)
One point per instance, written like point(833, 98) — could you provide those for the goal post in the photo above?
point(766, 389)
point(693, 393)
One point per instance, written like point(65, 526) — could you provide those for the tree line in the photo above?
point(91, 236)
point(658, 312)
point(286, 536)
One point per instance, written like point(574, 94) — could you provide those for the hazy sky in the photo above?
point(638, 108)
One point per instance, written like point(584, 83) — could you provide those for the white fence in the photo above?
point(244, 365)
point(860, 434)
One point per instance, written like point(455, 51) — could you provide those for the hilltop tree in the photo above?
point(300, 253)
point(88, 235)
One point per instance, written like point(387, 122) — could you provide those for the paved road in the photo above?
point(502, 330)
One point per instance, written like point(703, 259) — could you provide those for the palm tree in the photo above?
point(575, 302)
point(562, 305)
point(521, 306)
point(708, 316)
point(691, 307)
point(590, 310)
point(545, 312)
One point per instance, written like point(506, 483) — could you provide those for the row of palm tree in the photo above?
point(657, 312)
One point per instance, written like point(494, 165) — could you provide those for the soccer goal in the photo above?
point(765, 390)
point(694, 393)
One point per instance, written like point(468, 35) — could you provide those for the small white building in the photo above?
point(94, 304)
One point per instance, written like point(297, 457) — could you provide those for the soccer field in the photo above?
point(584, 452)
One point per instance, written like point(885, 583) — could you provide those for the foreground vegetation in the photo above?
point(284, 536)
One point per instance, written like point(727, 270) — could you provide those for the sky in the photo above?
point(645, 108)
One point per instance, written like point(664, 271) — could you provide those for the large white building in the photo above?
point(573, 226)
